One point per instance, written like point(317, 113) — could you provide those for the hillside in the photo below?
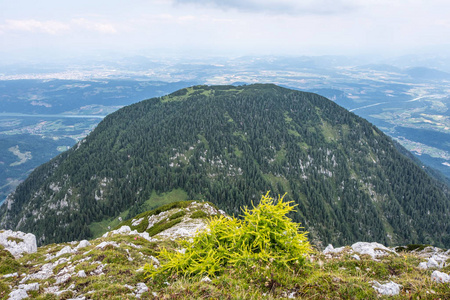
point(112, 267)
point(227, 145)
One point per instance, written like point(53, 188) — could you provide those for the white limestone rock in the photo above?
point(432, 263)
point(63, 251)
point(331, 250)
point(45, 272)
point(437, 261)
point(29, 287)
point(440, 277)
point(62, 279)
point(140, 289)
point(18, 295)
point(375, 250)
point(18, 242)
point(390, 289)
point(11, 275)
point(83, 244)
point(104, 244)
point(81, 274)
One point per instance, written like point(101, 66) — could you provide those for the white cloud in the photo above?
point(95, 26)
point(289, 7)
point(56, 27)
point(49, 27)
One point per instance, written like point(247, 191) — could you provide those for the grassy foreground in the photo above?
point(112, 267)
point(321, 277)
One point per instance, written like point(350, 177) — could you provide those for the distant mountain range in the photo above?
point(228, 145)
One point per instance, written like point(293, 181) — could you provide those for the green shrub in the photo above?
point(265, 234)
point(177, 215)
point(199, 214)
point(161, 226)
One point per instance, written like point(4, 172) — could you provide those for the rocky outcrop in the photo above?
point(17, 242)
point(375, 250)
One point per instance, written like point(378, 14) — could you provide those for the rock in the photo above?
point(356, 256)
point(331, 250)
point(62, 279)
point(45, 272)
point(17, 242)
point(389, 289)
point(440, 277)
point(104, 244)
point(135, 222)
point(29, 287)
point(123, 230)
point(82, 274)
point(432, 263)
point(11, 275)
point(437, 261)
point(18, 295)
point(82, 244)
point(155, 260)
point(206, 279)
point(63, 251)
point(140, 289)
point(375, 250)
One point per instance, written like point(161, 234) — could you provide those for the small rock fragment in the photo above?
point(389, 289)
point(206, 279)
point(82, 274)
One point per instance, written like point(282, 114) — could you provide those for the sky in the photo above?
point(55, 28)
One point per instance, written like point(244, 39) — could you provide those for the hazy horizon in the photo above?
point(59, 30)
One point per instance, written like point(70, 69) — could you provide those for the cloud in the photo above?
point(56, 27)
point(49, 27)
point(291, 7)
point(95, 26)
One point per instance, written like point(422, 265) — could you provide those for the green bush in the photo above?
point(199, 214)
point(265, 234)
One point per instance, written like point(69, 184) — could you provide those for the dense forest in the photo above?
point(229, 145)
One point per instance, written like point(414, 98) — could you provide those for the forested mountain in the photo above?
point(229, 145)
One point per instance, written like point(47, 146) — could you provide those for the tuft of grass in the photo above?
point(14, 239)
point(8, 264)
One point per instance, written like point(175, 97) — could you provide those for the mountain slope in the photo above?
point(227, 145)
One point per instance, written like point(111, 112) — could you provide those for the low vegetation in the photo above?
point(261, 256)
point(264, 235)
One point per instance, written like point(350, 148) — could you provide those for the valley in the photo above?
point(57, 111)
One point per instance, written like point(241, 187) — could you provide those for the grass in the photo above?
point(337, 276)
point(155, 200)
point(322, 277)
point(14, 239)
